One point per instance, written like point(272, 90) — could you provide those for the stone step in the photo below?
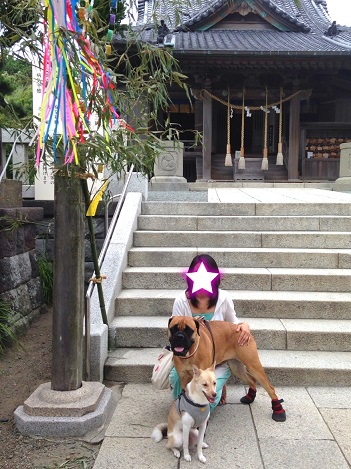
point(242, 239)
point(255, 304)
point(254, 208)
point(243, 223)
point(242, 257)
point(337, 280)
point(269, 333)
point(283, 367)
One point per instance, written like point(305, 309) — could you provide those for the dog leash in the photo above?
point(207, 324)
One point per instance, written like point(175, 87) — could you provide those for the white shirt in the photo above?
point(224, 310)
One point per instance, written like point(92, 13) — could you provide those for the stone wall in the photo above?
point(46, 229)
point(19, 276)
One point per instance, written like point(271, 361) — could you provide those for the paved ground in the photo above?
point(316, 434)
point(277, 195)
point(253, 194)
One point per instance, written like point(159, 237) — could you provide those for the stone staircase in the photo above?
point(287, 267)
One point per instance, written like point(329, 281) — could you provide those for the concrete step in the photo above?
point(241, 207)
point(242, 257)
point(286, 260)
point(255, 304)
point(269, 333)
point(243, 223)
point(327, 280)
point(283, 367)
point(244, 239)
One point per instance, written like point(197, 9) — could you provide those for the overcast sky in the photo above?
point(340, 11)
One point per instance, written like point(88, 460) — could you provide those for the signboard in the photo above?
point(44, 181)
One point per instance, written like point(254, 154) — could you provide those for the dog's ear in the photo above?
point(169, 320)
point(197, 324)
point(195, 370)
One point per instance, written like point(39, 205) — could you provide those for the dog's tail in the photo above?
point(159, 432)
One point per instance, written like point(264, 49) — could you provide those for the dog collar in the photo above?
point(189, 401)
point(193, 353)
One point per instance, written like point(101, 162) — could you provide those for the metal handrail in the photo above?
point(91, 285)
point(106, 212)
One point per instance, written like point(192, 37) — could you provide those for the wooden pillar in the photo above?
point(207, 137)
point(68, 302)
point(294, 139)
point(199, 122)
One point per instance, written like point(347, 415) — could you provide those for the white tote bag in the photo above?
point(162, 368)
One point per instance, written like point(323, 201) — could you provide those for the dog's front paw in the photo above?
point(204, 445)
point(202, 458)
point(187, 457)
point(176, 453)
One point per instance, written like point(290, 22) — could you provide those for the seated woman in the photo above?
point(217, 306)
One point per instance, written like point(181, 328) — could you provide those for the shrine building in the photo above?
point(270, 85)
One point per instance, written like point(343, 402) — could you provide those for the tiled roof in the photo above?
point(192, 11)
point(246, 42)
point(236, 42)
point(309, 24)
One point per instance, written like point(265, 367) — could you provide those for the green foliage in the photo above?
point(142, 74)
point(46, 275)
point(101, 16)
point(7, 334)
point(18, 19)
point(16, 99)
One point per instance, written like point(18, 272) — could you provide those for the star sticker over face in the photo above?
point(202, 279)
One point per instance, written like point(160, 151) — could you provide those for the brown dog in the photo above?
point(191, 343)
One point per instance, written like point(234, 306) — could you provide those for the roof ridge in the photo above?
point(208, 10)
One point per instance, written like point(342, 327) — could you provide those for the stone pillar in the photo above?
point(207, 137)
point(294, 139)
point(168, 168)
point(343, 183)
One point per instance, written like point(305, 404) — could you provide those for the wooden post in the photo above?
point(68, 302)
point(207, 137)
point(294, 138)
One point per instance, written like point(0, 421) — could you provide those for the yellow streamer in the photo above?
point(95, 202)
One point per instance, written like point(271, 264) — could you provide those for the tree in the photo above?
point(16, 98)
point(130, 89)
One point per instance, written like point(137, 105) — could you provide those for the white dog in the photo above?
point(187, 413)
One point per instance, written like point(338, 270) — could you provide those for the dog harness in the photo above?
point(197, 411)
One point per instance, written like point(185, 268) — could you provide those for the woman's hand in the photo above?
point(244, 337)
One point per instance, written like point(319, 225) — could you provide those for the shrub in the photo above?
point(7, 330)
point(46, 274)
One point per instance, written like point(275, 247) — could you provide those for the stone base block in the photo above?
point(342, 184)
point(137, 183)
point(65, 413)
point(28, 191)
point(10, 193)
point(168, 183)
